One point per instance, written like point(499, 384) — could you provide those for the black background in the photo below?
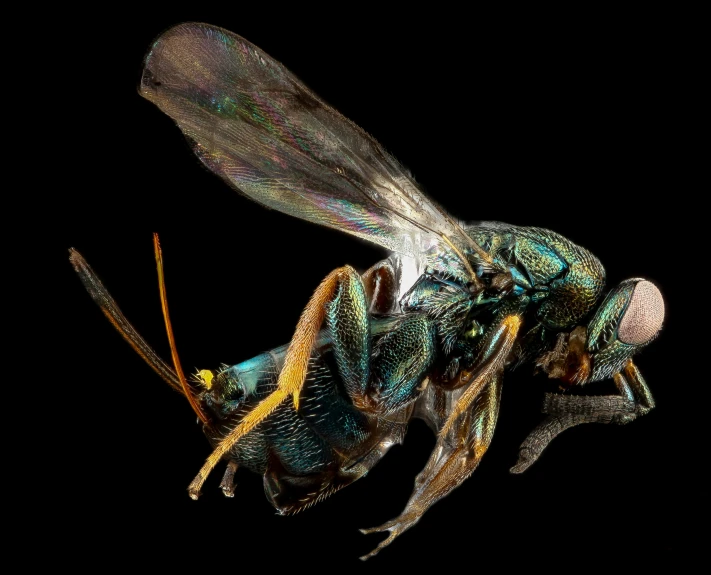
point(579, 128)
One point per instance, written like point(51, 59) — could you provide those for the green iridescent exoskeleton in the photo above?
point(427, 333)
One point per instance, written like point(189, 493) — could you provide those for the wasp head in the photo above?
point(627, 320)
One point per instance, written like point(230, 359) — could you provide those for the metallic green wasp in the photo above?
point(427, 333)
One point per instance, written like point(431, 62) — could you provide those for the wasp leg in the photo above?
point(380, 287)
point(564, 412)
point(228, 479)
point(388, 378)
point(292, 375)
point(637, 389)
point(465, 435)
point(400, 363)
point(455, 456)
point(347, 322)
point(496, 351)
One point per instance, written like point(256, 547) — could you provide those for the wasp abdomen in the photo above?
point(303, 455)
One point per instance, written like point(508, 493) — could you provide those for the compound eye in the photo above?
point(644, 315)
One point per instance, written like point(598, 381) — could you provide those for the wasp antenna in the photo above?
point(108, 306)
point(171, 340)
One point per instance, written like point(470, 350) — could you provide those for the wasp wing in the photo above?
point(258, 127)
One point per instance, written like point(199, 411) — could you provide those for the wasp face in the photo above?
point(628, 319)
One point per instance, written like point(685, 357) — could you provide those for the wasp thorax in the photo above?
point(644, 315)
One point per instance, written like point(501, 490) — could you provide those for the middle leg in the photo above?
point(454, 458)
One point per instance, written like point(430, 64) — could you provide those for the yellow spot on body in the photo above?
point(206, 377)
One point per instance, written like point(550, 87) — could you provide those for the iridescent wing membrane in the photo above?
point(254, 124)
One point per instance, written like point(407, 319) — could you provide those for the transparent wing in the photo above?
point(254, 124)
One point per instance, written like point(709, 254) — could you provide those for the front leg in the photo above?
point(627, 320)
point(635, 399)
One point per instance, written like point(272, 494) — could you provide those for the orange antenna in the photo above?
point(173, 351)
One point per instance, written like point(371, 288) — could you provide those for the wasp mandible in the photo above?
point(426, 333)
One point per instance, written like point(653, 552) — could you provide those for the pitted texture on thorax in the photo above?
point(563, 278)
point(573, 295)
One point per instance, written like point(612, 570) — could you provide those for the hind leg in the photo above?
point(402, 358)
